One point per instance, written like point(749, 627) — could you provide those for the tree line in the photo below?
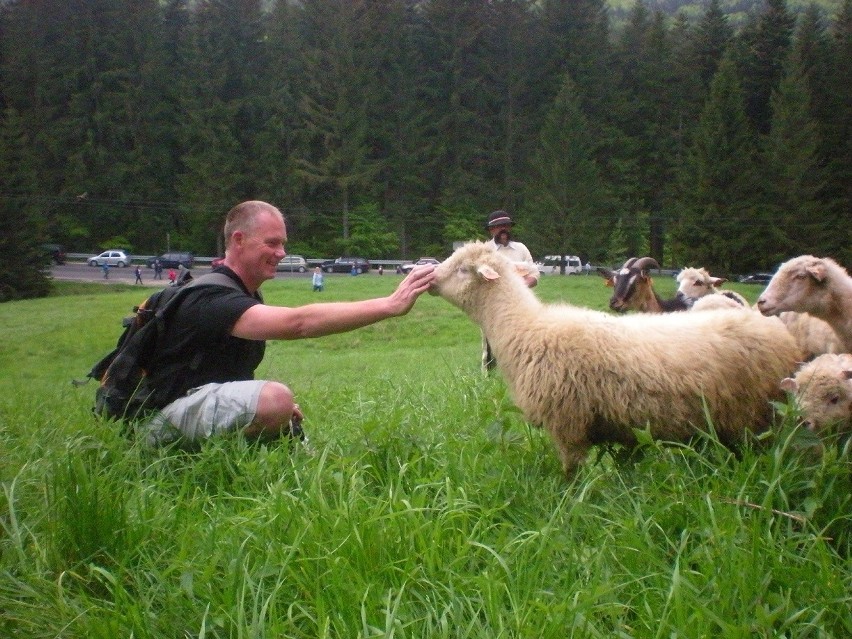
point(391, 128)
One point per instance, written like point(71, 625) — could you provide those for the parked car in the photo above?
point(344, 265)
point(292, 263)
point(552, 264)
point(406, 268)
point(56, 252)
point(173, 260)
point(756, 278)
point(113, 257)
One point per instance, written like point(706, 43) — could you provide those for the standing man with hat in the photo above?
point(499, 225)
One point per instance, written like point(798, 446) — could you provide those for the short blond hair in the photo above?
point(243, 217)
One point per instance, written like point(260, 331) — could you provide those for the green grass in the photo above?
point(427, 507)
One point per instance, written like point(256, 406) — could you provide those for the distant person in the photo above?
point(172, 277)
point(203, 377)
point(499, 225)
point(105, 268)
point(381, 270)
point(158, 269)
point(588, 267)
point(354, 270)
point(138, 273)
point(317, 279)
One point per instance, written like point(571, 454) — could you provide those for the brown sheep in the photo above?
point(815, 285)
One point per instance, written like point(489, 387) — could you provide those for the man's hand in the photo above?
point(413, 286)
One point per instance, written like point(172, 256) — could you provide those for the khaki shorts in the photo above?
point(205, 411)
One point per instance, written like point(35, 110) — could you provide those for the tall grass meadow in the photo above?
point(425, 506)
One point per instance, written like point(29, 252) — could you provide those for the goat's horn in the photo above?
point(629, 262)
point(644, 263)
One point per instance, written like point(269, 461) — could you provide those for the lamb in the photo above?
point(633, 288)
point(822, 390)
point(696, 283)
point(815, 285)
point(589, 377)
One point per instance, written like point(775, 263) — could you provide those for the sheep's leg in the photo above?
point(572, 450)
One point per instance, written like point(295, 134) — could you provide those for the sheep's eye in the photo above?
point(833, 399)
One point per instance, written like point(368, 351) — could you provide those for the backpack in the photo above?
point(123, 393)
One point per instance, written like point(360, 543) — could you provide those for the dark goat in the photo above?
point(633, 289)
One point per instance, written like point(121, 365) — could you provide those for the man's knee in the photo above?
point(275, 407)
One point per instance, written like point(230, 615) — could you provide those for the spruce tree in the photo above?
point(225, 112)
point(837, 135)
point(24, 267)
point(721, 226)
point(793, 175)
point(335, 155)
point(762, 51)
point(569, 209)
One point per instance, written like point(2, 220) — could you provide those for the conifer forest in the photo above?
point(391, 128)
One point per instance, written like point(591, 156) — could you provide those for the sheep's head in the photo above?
point(823, 393)
point(695, 283)
point(631, 283)
point(472, 269)
point(800, 285)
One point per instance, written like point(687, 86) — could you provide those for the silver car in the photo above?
point(112, 258)
point(292, 263)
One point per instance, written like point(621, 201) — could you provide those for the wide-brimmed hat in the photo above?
point(499, 218)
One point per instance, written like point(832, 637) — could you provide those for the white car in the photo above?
point(112, 258)
point(406, 268)
point(551, 264)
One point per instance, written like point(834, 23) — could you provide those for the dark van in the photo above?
point(173, 260)
point(54, 252)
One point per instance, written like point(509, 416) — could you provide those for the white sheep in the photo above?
point(590, 377)
point(815, 285)
point(822, 389)
point(696, 283)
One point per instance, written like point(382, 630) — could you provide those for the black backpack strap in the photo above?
point(215, 278)
point(165, 310)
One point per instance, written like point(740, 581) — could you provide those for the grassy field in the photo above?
point(426, 507)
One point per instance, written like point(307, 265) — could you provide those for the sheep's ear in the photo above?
point(718, 281)
point(817, 271)
point(789, 384)
point(847, 374)
point(487, 272)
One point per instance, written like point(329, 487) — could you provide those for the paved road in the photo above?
point(83, 273)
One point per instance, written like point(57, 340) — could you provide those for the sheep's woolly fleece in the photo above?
point(590, 377)
point(823, 392)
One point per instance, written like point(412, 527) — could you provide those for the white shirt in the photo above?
point(518, 252)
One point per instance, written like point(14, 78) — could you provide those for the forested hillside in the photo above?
point(392, 128)
point(736, 10)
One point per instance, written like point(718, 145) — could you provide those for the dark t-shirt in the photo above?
point(200, 349)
